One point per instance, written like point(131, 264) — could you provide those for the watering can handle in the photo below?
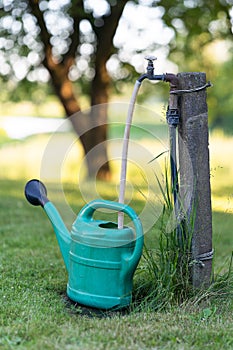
point(88, 210)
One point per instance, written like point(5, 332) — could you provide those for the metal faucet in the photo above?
point(167, 77)
point(150, 71)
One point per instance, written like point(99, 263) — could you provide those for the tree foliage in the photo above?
point(65, 41)
point(196, 23)
point(203, 42)
point(58, 40)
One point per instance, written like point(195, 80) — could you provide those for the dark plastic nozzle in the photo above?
point(36, 193)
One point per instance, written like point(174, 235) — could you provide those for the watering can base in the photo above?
point(98, 301)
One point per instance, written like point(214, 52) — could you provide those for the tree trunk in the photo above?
point(99, 116)
point(90, 128)
point(100, 86)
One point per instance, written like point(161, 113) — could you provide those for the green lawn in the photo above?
point(34, 310)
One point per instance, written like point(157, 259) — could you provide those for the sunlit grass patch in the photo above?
point(26, 159)
point(221, 172)
point(52, 108)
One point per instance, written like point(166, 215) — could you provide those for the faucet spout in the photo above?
point(151, 77)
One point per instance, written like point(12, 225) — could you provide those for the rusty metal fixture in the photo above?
point(173, 80)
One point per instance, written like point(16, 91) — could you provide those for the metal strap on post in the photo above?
point(203, 87)
point(202, 257)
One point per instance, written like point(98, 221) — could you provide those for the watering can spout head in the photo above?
point(36, 194)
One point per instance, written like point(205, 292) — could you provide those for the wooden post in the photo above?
point(194, 168)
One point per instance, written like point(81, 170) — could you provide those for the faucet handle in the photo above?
point(150, 66)
point(150, 58)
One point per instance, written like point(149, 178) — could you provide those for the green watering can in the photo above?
point(100, 258)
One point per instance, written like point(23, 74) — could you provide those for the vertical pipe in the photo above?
point(173, 119)
point(173, 162)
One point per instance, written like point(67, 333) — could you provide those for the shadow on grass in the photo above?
point(90, 312)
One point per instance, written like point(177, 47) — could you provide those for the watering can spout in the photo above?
point(36, 194)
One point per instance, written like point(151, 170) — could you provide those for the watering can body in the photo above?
point(100, 258)
point(100, 272)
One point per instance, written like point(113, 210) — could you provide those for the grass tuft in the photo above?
point(163, 278)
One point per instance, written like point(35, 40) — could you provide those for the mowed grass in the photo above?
point(34, 310)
